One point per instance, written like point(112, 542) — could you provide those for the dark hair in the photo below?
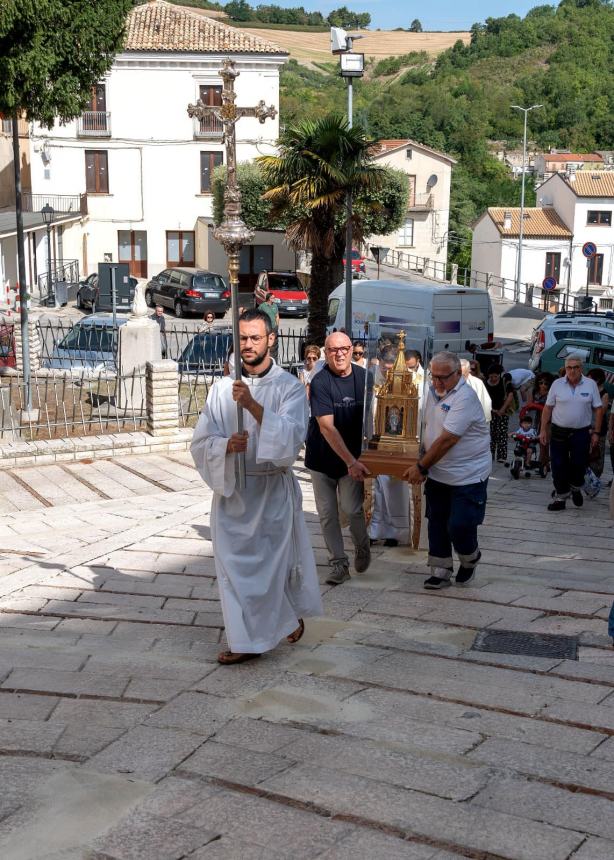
point(546, 377)
point(359, 343)
point(268, 296)
point(253, 315)
point(494, 368)
point(526, 418)
point(413, 353)
point(597, 374)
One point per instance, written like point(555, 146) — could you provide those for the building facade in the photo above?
point(424, 232)
point(143, 165)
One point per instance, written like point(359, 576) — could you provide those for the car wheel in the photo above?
point(515, 470)
point(149, 299)
point(178, 310)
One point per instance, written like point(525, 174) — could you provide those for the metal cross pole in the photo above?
point(233, 233)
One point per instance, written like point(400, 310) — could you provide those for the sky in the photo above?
point(438, 14)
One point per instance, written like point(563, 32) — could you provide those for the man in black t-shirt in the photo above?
point(334, 441)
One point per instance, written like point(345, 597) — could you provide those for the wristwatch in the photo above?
point(422, 469)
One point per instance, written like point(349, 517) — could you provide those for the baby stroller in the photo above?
point(520, 461)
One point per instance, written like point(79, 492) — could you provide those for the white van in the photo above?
point(457, 314)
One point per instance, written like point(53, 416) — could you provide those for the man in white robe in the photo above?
point(263, 556)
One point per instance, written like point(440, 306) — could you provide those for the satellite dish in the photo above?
point(432, 181)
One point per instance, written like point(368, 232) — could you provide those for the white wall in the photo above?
point(486, 247)
point(153, 158)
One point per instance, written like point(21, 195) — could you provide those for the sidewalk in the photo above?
point(382, 734)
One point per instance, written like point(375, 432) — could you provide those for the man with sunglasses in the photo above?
point(334, 443)
point(572, 406)
point(263, 556)
point(455, 463)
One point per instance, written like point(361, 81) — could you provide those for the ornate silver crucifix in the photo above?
point(232, 233)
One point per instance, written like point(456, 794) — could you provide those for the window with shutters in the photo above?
point(96, 171)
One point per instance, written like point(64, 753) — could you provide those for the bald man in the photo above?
point(334, 442)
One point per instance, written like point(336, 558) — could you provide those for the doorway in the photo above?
point(132, 245)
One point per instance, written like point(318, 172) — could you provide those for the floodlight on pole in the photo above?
point(352, 66)
point(524, 167)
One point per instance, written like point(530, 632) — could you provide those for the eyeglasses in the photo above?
point(573, 367)
point(358, 352)
point(255, 338)
point(342, 350)
point(442, 378)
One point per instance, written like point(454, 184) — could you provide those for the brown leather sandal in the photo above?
point(229, 658)
point(293, 638)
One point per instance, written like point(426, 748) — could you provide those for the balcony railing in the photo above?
point(62, 204)
point(420, 202)
point(208, 127)
point(94, 123)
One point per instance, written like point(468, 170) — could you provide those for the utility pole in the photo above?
point(524, 169)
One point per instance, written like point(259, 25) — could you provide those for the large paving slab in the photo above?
point(381, 734)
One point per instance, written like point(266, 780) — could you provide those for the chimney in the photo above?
point(507, 220)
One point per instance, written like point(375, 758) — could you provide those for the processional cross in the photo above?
point(232, 233)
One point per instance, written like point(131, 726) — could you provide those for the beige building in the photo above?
point(424, 233)
point(549, 163)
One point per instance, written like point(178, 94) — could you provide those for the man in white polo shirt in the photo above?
point(455, 462)
point(572, 405)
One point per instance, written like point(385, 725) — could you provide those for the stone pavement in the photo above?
point(381, 734)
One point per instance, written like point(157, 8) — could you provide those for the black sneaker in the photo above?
point(434, 583)
point(466, 574)
point(557, 505)
point(576, 498)
point(391, 542)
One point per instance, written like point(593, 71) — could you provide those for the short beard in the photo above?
point(257, 359)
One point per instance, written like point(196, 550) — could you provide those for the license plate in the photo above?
point(211, 295)
point(289, 308)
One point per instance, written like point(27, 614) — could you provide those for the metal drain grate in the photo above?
point(527, 644)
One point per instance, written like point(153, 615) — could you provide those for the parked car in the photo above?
point(358, 262)
point(88, 292)
point(288, 293)
point(551, 335)
point(567, 324)
point(593, 353)
point(90, 345)
point(206, 351)
point(7, 346)
point(188, 291)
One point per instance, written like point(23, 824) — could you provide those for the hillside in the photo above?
point(315, 47)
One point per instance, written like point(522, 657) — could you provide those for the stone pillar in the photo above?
point(162, 393)
point(139, 342)
point(36, 345)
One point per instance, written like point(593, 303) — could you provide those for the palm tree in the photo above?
point(319, 163)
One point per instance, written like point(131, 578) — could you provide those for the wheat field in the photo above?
point(315, 47)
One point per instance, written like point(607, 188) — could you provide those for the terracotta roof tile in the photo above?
point(160, 26)
point(588, 184)
point(538, 223)
point(382, 147)
point(573, 156)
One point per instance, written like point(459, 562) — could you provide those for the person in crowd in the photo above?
point(501, 394)
point(269, 307)
point(527, 435)
point(543, 381)
point(597, 455)
point(455, 462)
point(358, 353)
point(208, 322)
point(611, 439)
point(334, 443)
point(475, 369)
point(572, 407)
point(312, 363)
point(158, 316)
point(263, 556)
point(522, 379)
point(478, 386)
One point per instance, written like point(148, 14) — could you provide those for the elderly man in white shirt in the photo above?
point(572, 406)
point(455, 462)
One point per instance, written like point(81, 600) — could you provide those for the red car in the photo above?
point(288, 293)
point(358, 262)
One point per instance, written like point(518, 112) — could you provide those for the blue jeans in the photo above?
point(569, 453)
point(454, 514)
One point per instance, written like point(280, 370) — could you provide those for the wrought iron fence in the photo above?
point(67, 270)
point(66, 404)
point(61, 204)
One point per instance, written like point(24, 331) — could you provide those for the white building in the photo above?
point(424, 233)
point(141, 165)
point(573, 210)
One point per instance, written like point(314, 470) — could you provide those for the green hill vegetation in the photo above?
point(561, 57)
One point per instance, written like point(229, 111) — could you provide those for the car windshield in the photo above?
point(90, 339)
point(284, 282)
point(208, 282)
point(207, 349)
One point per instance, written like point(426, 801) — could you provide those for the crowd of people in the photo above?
point(264, 559)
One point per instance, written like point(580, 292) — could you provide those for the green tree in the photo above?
point(51, 54)
point(415, 26)
point(239, 10)
point(319, 163)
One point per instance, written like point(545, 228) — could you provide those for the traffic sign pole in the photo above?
point(589, 249)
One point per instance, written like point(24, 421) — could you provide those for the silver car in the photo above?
point(90, 345)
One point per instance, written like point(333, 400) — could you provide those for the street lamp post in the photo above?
point(48, 212)
point(352, 66)
point(524, 167)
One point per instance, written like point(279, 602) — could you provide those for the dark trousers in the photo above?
point(499, 428)
point(454, 514)
point(569, 453)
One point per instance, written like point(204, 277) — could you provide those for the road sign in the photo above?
point(549, 284)
point(589, 249)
